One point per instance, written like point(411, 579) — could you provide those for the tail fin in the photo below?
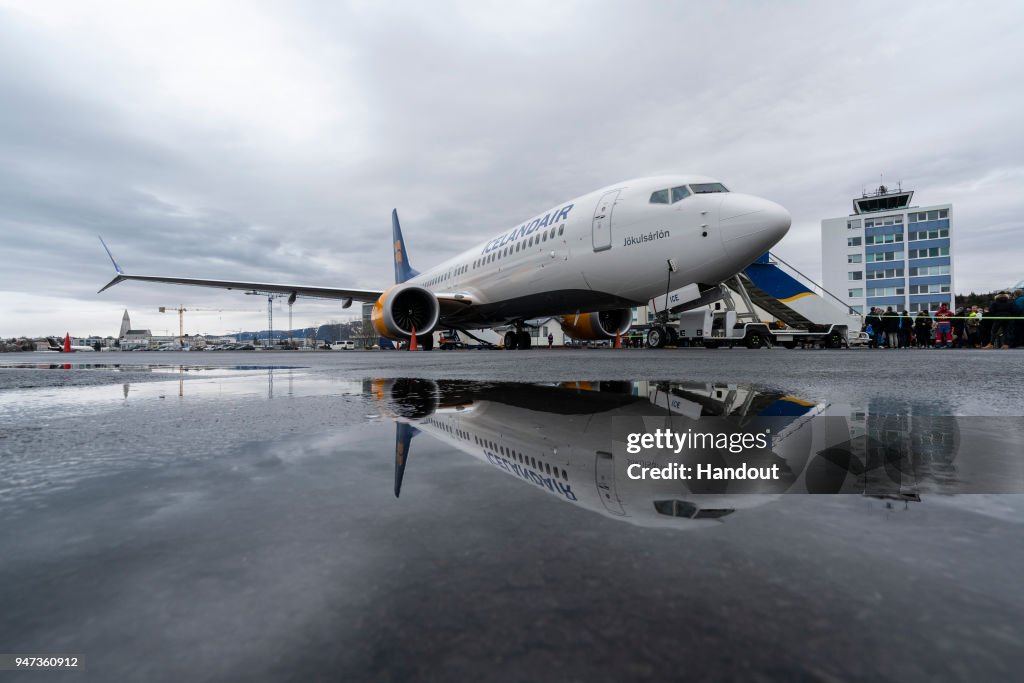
point(403, 271)
point(403, 438)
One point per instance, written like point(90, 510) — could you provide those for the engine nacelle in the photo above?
point(593, 326)
point(402, 308)
point(408, 398)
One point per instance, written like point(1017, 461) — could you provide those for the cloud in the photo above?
point(269, 141)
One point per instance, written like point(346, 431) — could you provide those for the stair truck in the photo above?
point(707, 314)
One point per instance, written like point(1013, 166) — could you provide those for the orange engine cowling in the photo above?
point(402, 308)
point(592, 326)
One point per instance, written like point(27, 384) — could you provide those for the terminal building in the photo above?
point(889, 253)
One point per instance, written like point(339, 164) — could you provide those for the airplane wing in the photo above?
point(367, 295)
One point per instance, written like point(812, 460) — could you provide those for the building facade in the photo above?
point(889, 253)
point(129, 338)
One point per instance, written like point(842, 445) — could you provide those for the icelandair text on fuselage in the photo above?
point(666, 439)
point(528, 228)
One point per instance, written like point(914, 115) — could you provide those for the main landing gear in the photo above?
point(518, 338)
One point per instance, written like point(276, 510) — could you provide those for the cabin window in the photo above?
point(707, 188)
point(659, 197)
point(561, 229)
point(679, 193)
point(552, 233)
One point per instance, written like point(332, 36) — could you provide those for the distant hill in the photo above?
point(328, 333)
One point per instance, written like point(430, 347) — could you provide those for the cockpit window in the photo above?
point(706, 188)
point(679, 193)
point(675, 508)
point(659, 197)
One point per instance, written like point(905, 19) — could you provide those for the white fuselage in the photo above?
point(608, 249)
point(567, 452)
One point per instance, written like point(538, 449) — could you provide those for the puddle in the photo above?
point(249, 517)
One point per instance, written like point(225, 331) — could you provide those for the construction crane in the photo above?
point(181, 310)
point(270, 313)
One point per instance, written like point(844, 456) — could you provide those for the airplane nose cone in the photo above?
point(750, 225)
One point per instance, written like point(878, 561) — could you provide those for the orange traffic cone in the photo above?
point(618, 340)
point(412, 340)
point(67, 342)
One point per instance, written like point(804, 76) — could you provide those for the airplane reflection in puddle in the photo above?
point(558, 438)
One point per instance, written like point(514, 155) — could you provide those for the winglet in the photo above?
point(116, 267)
point(403, 271)
point(119, 278)
point(120, 273)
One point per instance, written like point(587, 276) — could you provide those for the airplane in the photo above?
point(587, 262)
point(52, 345)
point(558, 439)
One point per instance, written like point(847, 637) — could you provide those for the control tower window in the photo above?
point(679, 193)
point(659, 197)
point(707, 188)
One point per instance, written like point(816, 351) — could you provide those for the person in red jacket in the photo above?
point(943, 327)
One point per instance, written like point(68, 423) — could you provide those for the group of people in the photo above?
point(1000, 326)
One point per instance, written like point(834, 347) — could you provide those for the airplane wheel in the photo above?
point(671, 337)
point(656, 337)
point(524, 340)
point(511, 341)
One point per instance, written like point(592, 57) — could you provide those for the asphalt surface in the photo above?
point(230, 516)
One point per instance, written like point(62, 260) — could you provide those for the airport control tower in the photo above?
point(890, 253)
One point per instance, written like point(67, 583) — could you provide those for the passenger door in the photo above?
point(602, 231)
point(604, 476)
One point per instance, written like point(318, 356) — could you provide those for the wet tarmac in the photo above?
point(355, 516)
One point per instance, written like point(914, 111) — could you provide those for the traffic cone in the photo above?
point(67, 342)
point(412, 340)
point(618, 340)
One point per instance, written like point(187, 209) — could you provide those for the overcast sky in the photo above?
point(270, 141)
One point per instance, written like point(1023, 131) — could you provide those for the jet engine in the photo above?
point(593, 326)
point(402, 308)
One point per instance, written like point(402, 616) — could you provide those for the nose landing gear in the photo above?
point(518, 338)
